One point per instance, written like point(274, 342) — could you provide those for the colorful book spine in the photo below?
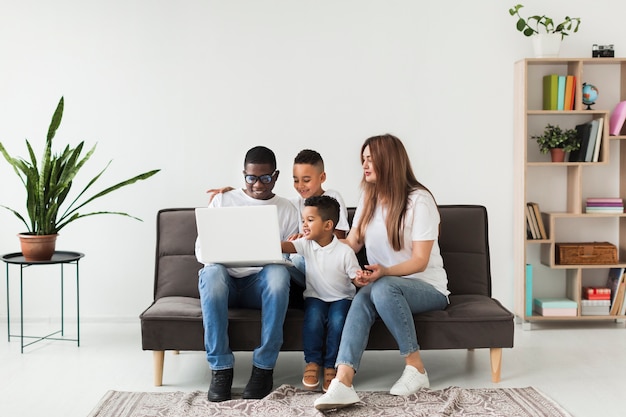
point(570, 92)
point(605, 200)
point(529, 290)
point(560, 101)
point(550, 91)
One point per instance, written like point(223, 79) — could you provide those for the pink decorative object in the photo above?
point(617, 119)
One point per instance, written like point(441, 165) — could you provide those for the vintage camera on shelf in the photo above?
point(602, 51)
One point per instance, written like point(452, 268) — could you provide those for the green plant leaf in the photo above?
point(48, 185)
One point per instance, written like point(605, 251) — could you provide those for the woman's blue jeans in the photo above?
point(323, 318)
point(394, 300)
point(267, 290)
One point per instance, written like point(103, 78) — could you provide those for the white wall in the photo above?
point(189, 86)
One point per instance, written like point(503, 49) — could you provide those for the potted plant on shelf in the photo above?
point(545, 33)
point(557, 141)
point(48, 184)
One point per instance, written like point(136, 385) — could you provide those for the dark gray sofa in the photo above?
point(472, 320)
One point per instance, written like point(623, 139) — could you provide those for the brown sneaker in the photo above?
point(329, 374)
point(310, 380)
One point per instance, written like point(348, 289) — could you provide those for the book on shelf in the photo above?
point(604, 205)
point(560, 101)
point(597, 293)
point(555, 307)
point(582, 134)
point(614, 277)
point(618, 302)
point(570, 92)
point(591, 142)
point(595, 157)
point(529, 290)
point(616, 120)
point(622, 309)
point(594, 307)
point(604, 209)
point(534, 231)
point(600, 205)
point(539, 220)
point(555, 302)
point(550, 91)
point(605, 200)
point(555, 312)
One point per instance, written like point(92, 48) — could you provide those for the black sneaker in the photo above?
point(221, 381)
point(259, 385)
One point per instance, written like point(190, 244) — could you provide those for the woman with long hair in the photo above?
point(397, 221)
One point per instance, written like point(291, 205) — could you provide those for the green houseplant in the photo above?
point(555, 138)
point(48, 183)
point(545, 33)
point(536, 24)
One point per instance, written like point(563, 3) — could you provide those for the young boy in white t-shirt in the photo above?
point(308, 177)
point(330, 267)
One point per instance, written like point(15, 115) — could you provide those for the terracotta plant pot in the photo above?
point(37, 247)
point(557, 154)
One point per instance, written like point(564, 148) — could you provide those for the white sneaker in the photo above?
point(337, 396)
point(410, 382)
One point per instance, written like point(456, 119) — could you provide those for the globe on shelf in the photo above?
point(590, 95)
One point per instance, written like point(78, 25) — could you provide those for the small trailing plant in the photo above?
point(48, 182)
point(536, 24)
point(554, 137)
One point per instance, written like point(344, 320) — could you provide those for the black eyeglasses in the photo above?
point(265, 179)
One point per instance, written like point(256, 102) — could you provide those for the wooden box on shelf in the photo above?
point(586, 253)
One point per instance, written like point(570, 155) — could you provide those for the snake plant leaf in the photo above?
point(49, 184)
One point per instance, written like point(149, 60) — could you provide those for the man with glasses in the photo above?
point(265, 288)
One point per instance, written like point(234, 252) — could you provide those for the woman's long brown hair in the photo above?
point(395, 180)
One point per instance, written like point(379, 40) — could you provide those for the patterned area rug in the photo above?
point(289, 401)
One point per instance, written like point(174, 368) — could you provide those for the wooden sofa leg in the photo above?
point(496, 363)
point(158, 357)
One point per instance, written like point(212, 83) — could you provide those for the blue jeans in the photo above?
point(268, 290)
point(298, 269)
point(394, 300)
point(323, 317)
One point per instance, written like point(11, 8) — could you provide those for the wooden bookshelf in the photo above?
point(560, 189)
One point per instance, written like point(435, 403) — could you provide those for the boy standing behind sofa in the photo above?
point(330, 267)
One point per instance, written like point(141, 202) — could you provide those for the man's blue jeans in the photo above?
point(321, 317)
point(268, 290)
point(394, 300)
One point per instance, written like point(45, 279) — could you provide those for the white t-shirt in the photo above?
point(343, 211)
point(329, 269)
point(421, 222)
point(288, 220)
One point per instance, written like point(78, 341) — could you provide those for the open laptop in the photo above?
point(240, 236)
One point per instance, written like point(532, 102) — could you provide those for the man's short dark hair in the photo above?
point(260, 155)
point(311, 157)
point(327, 206)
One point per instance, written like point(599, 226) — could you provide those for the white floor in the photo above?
point(580, 366)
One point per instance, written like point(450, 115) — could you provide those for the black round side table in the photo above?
point(60, 258)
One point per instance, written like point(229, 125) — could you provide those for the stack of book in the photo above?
point(535, 228)
point(589, 136)
point(596, 301)
point(555, 307)
point(559, 92)
point(616, 283)
point(604, 205)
